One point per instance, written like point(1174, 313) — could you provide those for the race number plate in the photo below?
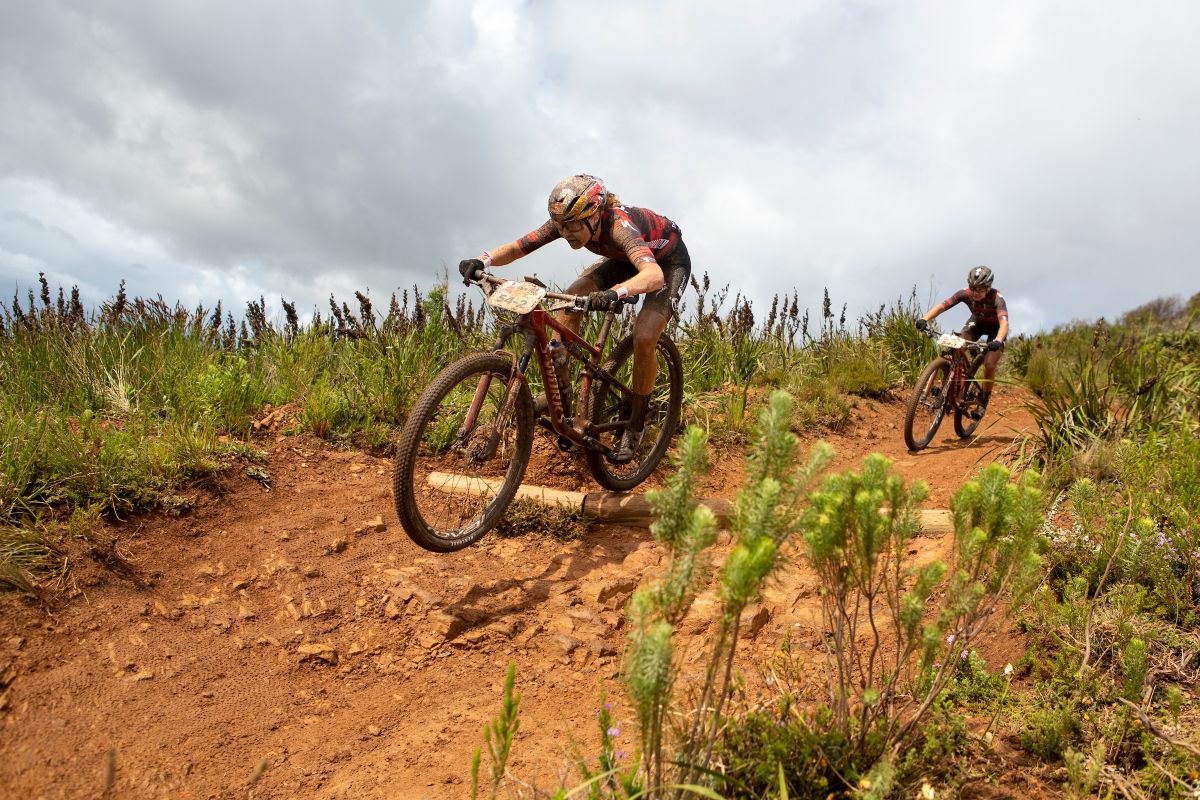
point(516, 296)
point(951, 341)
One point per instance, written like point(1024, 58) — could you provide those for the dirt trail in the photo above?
point(275, 643)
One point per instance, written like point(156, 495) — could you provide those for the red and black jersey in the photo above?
point(627, 233)
point(988, 310)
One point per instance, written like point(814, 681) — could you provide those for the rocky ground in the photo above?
point(284, 639)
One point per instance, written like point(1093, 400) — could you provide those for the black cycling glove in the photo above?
point(471, 269)
point(602, 301)
point(922, 324)
point(995, 344)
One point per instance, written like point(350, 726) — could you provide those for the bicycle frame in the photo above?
point(960, 361)
point(534, 325)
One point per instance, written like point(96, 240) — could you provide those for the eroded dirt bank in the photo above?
point(282, 643)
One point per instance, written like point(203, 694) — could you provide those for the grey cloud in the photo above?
point(869, 147)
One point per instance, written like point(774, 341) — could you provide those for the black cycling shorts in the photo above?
point(974, 329)
point(677, 268)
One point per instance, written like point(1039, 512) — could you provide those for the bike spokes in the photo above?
point(463, 452)
point(610, 411)
point(927, 405)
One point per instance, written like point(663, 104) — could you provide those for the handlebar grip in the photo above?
point(630, 300)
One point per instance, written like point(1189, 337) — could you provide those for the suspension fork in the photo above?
point(516, 377)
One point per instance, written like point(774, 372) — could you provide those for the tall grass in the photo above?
point(123, 407)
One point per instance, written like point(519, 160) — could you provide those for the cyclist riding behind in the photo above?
point(641, 252)
point(989, 317)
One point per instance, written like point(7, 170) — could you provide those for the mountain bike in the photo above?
point(465, 447)
point(947, 384)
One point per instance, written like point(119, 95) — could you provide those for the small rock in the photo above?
point(645, 556)
point(566, 643)
point(753, 619)
point(373, 730)
point(241, 583)
point(392, 611)
point(601, 648)
point(356, 468)
point(376, 525)
point(425, 597)
point(336, 546)
point(447, 626)
point(284, 536)
point(16, 642)
point(318, 651)
point(245, 613)
point(312, 571)
point(724, 538)
point(142, 675)
point(616, 590)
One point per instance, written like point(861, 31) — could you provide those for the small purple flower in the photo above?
point(619, 754)
point(614, 731)
point(950, 639)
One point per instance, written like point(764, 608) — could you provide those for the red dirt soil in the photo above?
point(292, 642)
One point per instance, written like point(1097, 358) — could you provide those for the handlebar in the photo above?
point(578, 301)
point(968, 345)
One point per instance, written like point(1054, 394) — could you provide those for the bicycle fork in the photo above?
point(506, 406)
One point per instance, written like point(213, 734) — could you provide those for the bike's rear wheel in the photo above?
point(964, 423)
point(609, 405)
point(927, 405)
point(452, 483)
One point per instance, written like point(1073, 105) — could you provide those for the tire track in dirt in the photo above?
point(298, 625)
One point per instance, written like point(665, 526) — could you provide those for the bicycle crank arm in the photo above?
point(592, 443)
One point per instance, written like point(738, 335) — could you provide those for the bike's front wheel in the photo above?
point(609, 407)
point(927, 405)
point(964, 423)
point(463, 452)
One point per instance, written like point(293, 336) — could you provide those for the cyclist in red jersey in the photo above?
point(989, 317)
point(641, 253)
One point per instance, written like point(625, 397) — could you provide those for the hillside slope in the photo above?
point(275, 643)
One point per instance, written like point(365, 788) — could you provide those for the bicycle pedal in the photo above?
point(564, 444)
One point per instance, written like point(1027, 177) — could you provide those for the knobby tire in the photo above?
point(607, 405)
point(935, 375)
point(433, 517)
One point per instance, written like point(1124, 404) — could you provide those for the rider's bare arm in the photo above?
point(508, 253)
point(1002, 333)
point(649, 278)
point(505, 254)
point(932, 313)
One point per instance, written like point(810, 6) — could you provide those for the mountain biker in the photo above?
point(641, 252)
point(989, 317)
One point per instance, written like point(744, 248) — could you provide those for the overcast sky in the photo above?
point(207, 150)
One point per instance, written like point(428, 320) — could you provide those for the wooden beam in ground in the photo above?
point(620, 509)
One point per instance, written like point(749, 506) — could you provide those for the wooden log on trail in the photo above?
point(622, 509)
